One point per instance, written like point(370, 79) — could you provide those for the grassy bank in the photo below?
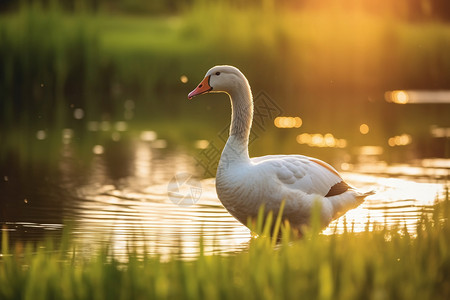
point(379, 264)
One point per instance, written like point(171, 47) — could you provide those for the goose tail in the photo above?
point(361, 195)
point(348, 200)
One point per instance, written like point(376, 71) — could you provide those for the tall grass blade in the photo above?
point(277, 227)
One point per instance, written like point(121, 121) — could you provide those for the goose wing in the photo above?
point(298, 172)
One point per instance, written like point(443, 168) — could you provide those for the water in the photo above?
point(140, 192)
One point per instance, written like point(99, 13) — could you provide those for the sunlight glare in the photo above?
point(143, 159)
point(319, 140)
point(400, 140)
point(399, 97)
point(346, 166)
point(41, 135)
point(329, 140)
point(440, 132)
point(288, 122)
point(148, 136)
point(398, 200)
point(98, 149)
point(364, 128)
point(370, 150)
point(341, 143)
point(67, 135)
point(159, 144)
point(184, 79)
point(201, 144)
point(304, 138)
point(121, 126)
point(78, 113)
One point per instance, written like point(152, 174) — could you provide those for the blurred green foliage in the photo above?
point(414, 10)
point(330, 66)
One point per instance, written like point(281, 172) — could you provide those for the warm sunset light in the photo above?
point(288, 122)
point(148, 136)
point(98, 149)
point(41, 134)
point(201, 144)
point(399, 97)
point(440, 132)
point(184, 79)
point(400, 140)
point(78, 113)
point(418, 96)
point(370, 150)
point(192, 149)
point(364, 129)
point(319, 140)
point(393, 189)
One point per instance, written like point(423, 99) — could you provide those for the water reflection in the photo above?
point(396, 202)
point(121, 197)
point(136, 206)
point(147, 217)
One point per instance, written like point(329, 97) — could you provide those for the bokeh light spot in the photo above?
point(41, 135)
point(98, 149)
point(184, 79)
point(364, 128)
point(78, 113)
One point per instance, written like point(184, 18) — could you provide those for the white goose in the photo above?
point(243, 184)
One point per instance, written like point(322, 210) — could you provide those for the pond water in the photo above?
point(140, 192)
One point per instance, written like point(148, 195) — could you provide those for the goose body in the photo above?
point(243, 184)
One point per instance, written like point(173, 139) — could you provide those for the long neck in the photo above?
point(241, 113)
point(241, 120)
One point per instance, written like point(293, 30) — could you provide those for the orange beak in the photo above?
point(202, 88)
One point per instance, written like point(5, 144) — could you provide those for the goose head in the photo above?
point(220, 79)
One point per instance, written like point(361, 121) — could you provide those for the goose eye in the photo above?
point(217, 73)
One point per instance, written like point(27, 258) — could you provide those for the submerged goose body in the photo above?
point(243, 184)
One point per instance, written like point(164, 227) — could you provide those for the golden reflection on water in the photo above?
point(142, 163)
point(397, 202)
point(148, 219)
point(140, 212)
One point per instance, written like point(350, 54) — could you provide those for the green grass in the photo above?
point(379, 264)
